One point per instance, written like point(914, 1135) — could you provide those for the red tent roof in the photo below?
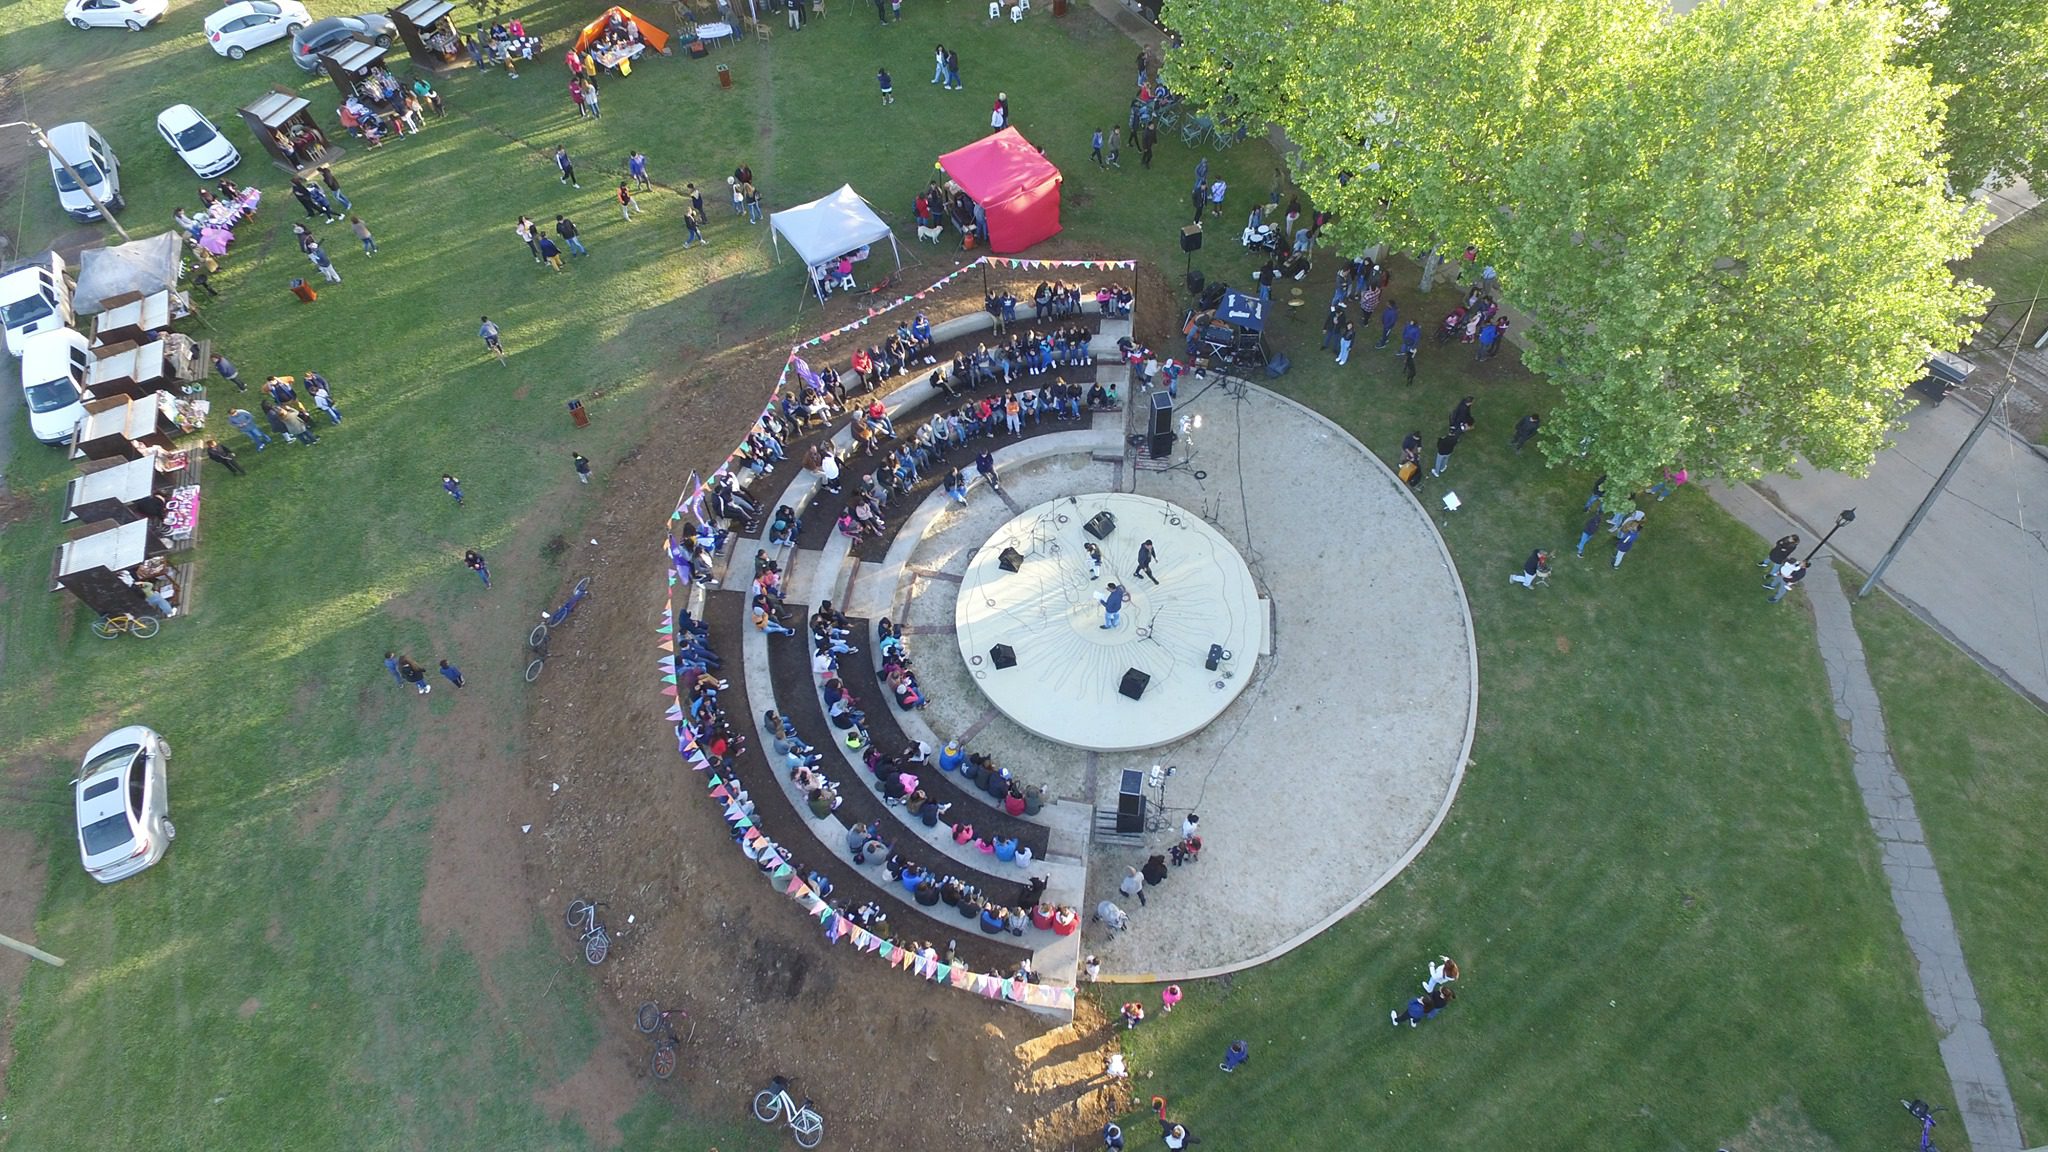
point(997, 167)
point(1018, 189)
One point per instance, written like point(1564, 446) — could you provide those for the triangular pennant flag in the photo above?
point(719, 792)
point(795, 886)
point(942, 972)
point(667, 645)
point(753, 833)
point(669, 679)
point(823, 911)
point(782, 870)
point(715, 781)
point(675, 712)
point(669, 691)
point(665, 630)
point(888, 950)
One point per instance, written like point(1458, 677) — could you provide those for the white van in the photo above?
point(35, 296)
point(55, 366)
point(88, 152)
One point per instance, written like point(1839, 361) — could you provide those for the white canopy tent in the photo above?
point(145, 266)
point(830, 227)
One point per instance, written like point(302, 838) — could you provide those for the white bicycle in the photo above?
point(773, 1103)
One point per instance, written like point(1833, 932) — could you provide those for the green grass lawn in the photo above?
point(2013, 261)
point(1972, 750)
point(1657, 876)
point(1659, 815)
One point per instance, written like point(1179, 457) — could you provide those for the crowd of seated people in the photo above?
point(896, 670)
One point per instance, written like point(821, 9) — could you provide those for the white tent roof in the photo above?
point(144, 266)
point(829, 226)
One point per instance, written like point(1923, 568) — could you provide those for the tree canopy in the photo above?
point(1994, 55)
point(1730, 229)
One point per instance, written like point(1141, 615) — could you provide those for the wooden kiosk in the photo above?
point(129, 317)
point(348, 64)
point(429, 33)
point(169, 364)
point(111, 493)
point(124, 427)
point(282, 122)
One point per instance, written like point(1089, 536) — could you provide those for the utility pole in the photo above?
point(32, 950)
point(36, 134)
point(1927, 503)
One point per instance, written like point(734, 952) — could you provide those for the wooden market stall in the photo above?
point(282, 122)
point(133, 315)
point(114, 491)
point(126, 427)
point(173, 363)
point(106, 567)
point(349, 65)
point(429, 33)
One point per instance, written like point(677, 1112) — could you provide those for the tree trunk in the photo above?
point(1432, 263)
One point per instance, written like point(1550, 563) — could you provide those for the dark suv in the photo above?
point(320, 35)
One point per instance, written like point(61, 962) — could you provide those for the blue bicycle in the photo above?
point(538, 638)
point(1924, 1112)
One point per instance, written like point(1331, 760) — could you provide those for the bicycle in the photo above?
point(583, 921)
point(140, 627)
point(773, 1103)
point(652, 1017)
point(1923, 1112)
point(537, 639)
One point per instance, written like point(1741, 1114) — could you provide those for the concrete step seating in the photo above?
point(794, 690)
point(733, 638)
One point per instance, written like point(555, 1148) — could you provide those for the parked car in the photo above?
point(233, 30)
point(196, 141)
point(55, 366)
point(89, 154)
point(320, 35)
point(134, 15)
point(35, 296)
point(124, 804)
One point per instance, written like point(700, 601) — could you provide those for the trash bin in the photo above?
point(577, 414)
point(1059, 7)
point(304, 291)
point(724, 76)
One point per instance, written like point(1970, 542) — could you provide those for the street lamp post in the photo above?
point(1846, 516)
point(36, 133)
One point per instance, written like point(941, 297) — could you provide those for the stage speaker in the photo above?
point(1278, 365)
point(1010, 559)
point(1100, 525)
point(1134, 684)
point(1004, 656)
point(1130, 802)
point(1191, 238)
point(1159, 434)
point(1212, 297)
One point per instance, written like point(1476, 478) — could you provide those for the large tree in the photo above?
point(1994, 55)
point(1406, 115)
point(1741, 256)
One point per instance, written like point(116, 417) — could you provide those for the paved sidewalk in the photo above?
point(1973, 1065)
point(1977, 567)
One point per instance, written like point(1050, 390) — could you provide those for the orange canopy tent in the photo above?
point(655, 37)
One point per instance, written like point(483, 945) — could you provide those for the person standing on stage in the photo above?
point(1146, 555)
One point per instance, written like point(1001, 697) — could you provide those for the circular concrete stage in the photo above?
point(1065, 685)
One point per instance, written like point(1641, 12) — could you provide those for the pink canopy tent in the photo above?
point(1017, 188)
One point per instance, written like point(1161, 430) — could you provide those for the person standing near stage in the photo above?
point(1113, 599)
point(1146, 555)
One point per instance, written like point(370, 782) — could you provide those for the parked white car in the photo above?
point(124, 804)
point(134, 15)
point(196, 141)
point(93, 159)
point(233, 30)
point(55, 367)
point(35, 296)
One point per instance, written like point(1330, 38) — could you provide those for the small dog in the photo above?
point(930, 234)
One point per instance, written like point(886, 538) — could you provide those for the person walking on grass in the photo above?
point(1095, 148)
point(391, 666)
point(452, 487)
point(590, 99)
point(695, 224)
point(753, 196)
point(362, 231)
point(567, 165)
point(582, 464)
point(1788, 574)
point(224, 456)
point(939, 65)
point(318, 256)
point(566, 229)
point(242, 419)
point(696, 196)
point(953, 83)
point(550, 253)
point(888, 86)
point(1235, 1056)
point(636, 167)
point(409, 673)
point(474, 560)
point(453, 673)
point(1525, 430)
point(1110, 158)
point(1344, 340)
point(627, 205)
point(492, 343)
point(1587, 532)
point(1390, 318)
point(1445, 445)
point(1625, 540)
point(226, 368)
